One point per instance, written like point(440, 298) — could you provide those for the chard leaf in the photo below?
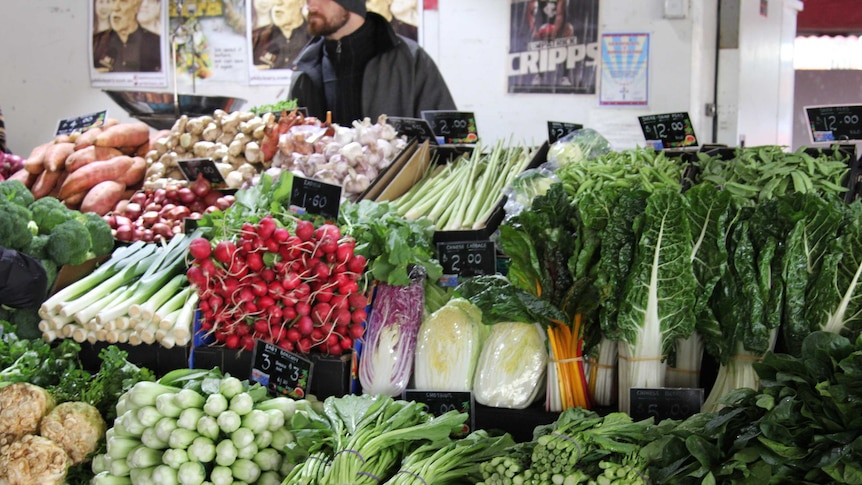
point(659, 298)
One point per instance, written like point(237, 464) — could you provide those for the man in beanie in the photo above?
point(356, 66)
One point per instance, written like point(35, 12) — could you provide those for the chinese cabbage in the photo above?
point(448, 347)
point(512, 365)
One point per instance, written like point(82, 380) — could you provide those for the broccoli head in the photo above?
point(39, 247)
point(14, 226)
point(15, 191)
point(51, 271)
point(101, 237)
point(48, 212)
point(69, 243)
point(26, 323)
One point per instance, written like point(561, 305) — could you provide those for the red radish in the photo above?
point(304, 230)
point(293, 335)
point(356, 264)
point(286, 345)
point(196, 276)
point(280, 235)
point(224, 251)
point(304, 345)
point(266, 227)
point(303, 308)
point(232, 341)
point(356, 331)
point(265, 302)
point(305, 325)
point(261, 326)
point(247, 343)
point(320, 312)
point(200, 248)
point(327, 231)
point(358, 316)
point(254, 261)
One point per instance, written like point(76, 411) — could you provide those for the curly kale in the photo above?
point(49, 212)
point(69, 243)
point(101, 238)
point(16, 192)
point(14, 226)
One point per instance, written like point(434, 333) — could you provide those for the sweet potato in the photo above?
point(90, 154)
point(55, 192)
point(103, 197)
point(65, 138)
point(35, 162)
point(135, 175)
point(124, 135)
point(55, 155)
point(91, 174)
point(87, 138)
point(74, 201)
point(44, 184)
point(24, 177)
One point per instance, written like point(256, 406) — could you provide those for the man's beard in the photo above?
point(318, 24)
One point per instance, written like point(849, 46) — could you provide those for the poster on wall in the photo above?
point(209, 42)
point(625, 70)
point(277, 31)
point(553, 46)
point(127, 47)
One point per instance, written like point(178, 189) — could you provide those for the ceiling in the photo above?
point(833, 17)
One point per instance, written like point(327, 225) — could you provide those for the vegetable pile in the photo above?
point(298, 289)
point(462, 193)
point(90, 170)
point(194, 426)
point(139, 295)
point(153, 213)
point(50, 232)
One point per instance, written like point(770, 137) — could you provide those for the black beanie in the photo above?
point(356, 6)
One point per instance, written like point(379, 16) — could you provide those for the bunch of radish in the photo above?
point(162, 212)
point(299, 291)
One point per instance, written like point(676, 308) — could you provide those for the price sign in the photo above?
point(315, 197)
point(452, 127)
point(81, 123)
point(413, 127)
point(559, 129)
point(664, 402)
point(440, 402)
point(671, 130)
point(467, 258)
point(834, 123)
point(193, 167)
point(283, 373)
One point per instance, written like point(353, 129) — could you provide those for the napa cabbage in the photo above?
point(512, 366)
point(448, 347)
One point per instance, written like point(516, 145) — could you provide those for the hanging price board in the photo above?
point(440, 402)
point(664, 402)
point(81, 123)
point(467, 258)
point(834, 123)
point(315, 197)
point(452, 127)
point(193, 167)
point(671, 130)
point(559, 129)
point(413, 127)
point(283, 373)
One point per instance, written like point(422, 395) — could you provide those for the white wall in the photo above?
point(45, 75)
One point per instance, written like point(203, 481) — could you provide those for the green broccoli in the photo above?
point(39, 247)
point(14, 226)
point(101, 237)
point(26, 323)
point(69, 243)
point(15, 191)
point(48, 212)
point(51, 271)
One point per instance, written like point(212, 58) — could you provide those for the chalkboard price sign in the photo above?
point(315, 197)
point(671, 130)
point(413, 127)
point(452, 127)
point(440, 402)
point(283, 373)
point(834, 123)
point(559, 129)
point(467, 258)
point(193, 167)
point(81, 123)
point(664, 402)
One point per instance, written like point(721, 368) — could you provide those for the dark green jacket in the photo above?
point(402, 80)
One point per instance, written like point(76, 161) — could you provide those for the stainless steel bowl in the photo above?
point(157, 109)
